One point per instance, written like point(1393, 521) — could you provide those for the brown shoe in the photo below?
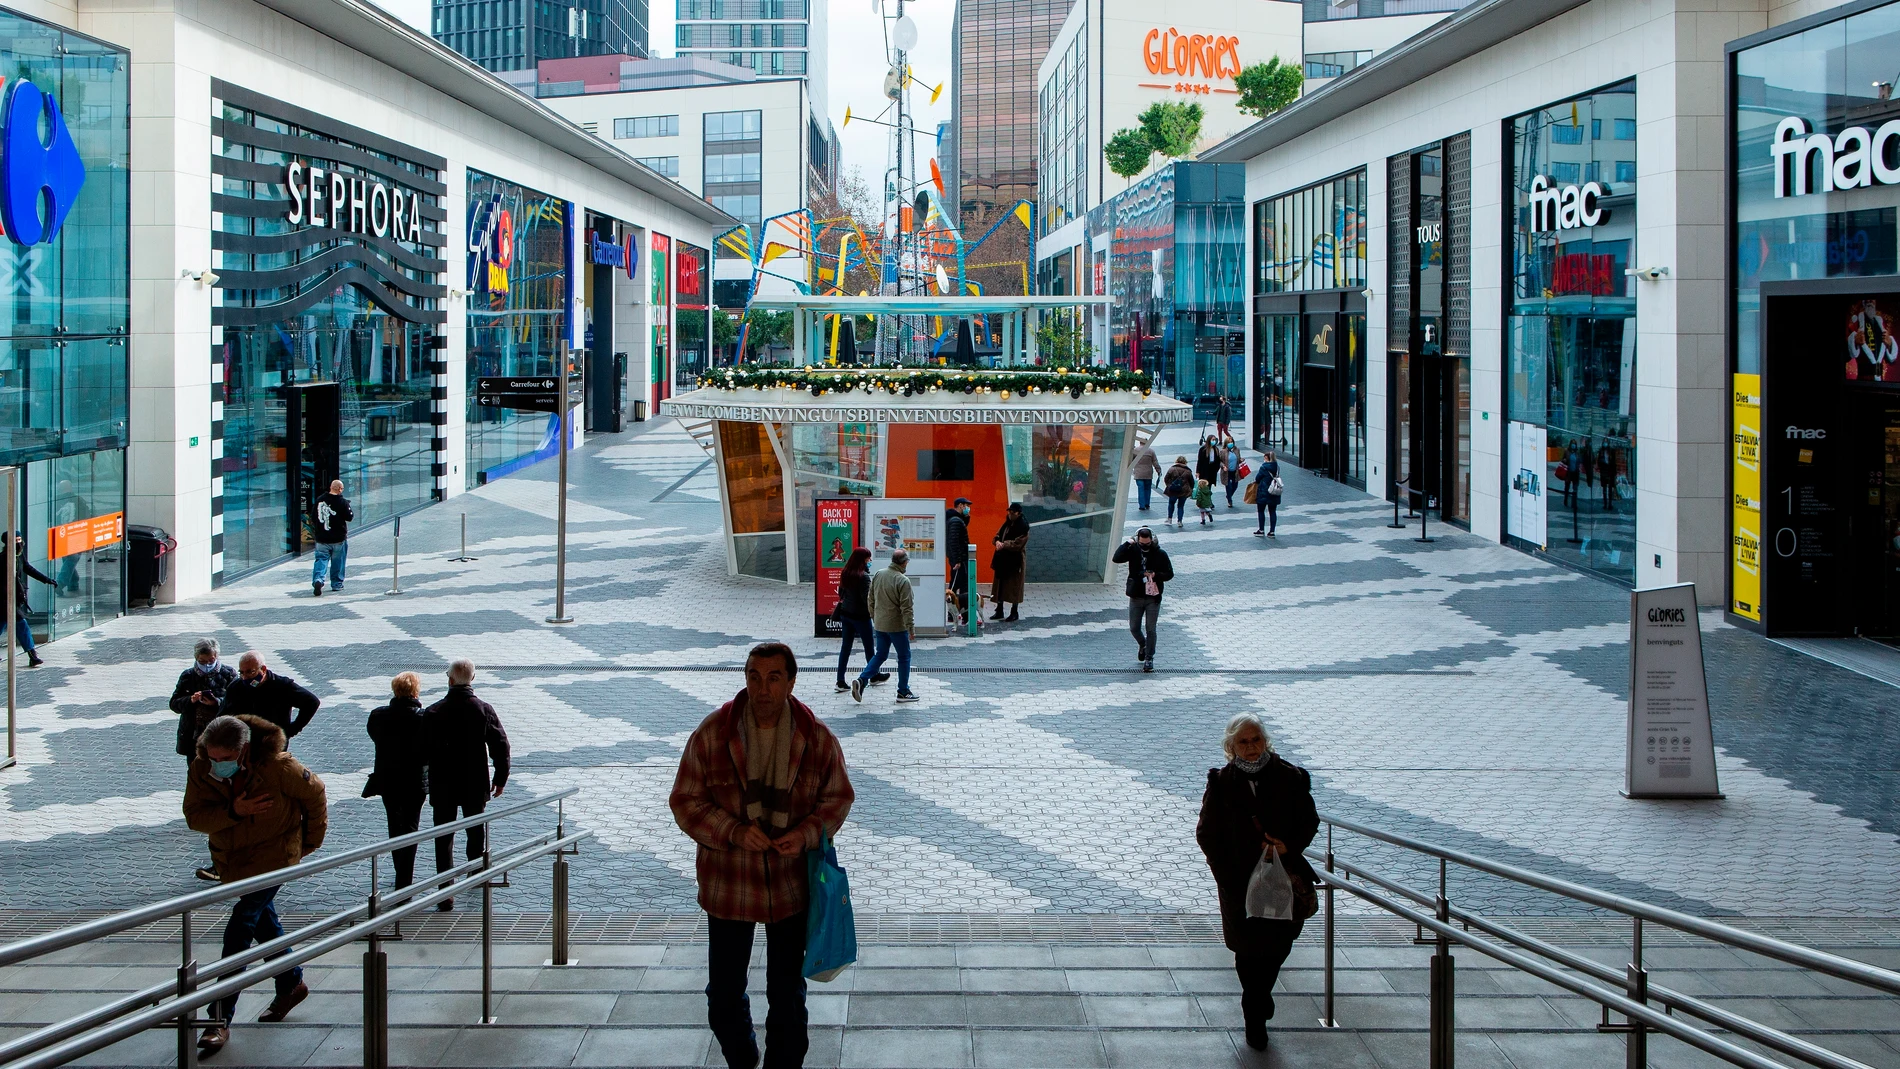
point(213, 1040)
point(281, 1006)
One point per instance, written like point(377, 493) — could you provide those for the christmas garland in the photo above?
point(913, 381)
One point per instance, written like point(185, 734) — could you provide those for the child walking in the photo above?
point(1204, 500)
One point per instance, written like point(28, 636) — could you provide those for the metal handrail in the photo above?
point(173, 1004)
point(20, 950)
point(1636, 994)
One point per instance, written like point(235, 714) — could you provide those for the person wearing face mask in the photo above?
point(22, 572)
point(1257, 802)
point(196, 698)
point(264, 811)
point(1149, 569)
point(271, 695)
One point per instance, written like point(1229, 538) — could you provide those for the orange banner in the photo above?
point(82, 535)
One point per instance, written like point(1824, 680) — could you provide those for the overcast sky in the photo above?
point(857, 75)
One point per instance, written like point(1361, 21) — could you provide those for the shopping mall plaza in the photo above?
point(1559, 342)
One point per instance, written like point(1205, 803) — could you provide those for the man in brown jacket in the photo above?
point(264, 811)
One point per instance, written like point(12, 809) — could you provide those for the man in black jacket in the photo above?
point(330, 517)
point(1149, 569)
point(462, 735)
point(956, 548)
point(196, 699)
point(271, 695)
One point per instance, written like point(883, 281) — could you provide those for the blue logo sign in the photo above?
point(39, 180)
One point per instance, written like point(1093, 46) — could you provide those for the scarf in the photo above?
point(768, 771)
point(1252, 768)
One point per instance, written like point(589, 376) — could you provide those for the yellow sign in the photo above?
point(1745, 533)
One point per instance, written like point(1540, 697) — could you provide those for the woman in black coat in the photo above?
point(854, 610)
point(401, 773)
point(1257, 801)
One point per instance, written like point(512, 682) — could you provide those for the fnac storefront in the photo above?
point(1815, 304)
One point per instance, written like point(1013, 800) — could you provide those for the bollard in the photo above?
point(1329, 1021)
point(1444, 990)
point(395, 562)
point(1404, 486)
point(488, 941)
point(187, 983)
point(974, 608)
point(375, 991)
point(464, 558)
point(560, 911)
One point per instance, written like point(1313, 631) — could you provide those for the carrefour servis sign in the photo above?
point(40, 172)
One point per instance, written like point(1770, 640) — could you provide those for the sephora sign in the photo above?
point(1819, 163)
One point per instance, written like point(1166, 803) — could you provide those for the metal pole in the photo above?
point(488, 941)
point(560, 508)
point(464, 558)
point(1636, 1047)
point(375, 988)
point(187, 981)
point(1405, 491)
point(560, 887)
point(395, 562)
point(1330, 1021)
point(1443, 984)
point(13, 614)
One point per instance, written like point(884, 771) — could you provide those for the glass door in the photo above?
point(1276, 408)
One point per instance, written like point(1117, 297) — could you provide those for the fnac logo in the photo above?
point(40, 174)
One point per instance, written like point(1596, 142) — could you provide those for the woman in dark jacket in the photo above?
point(1258, 801)
point(1178, 483)
point(401, 773)
point(1267, 504)
point(854, 610)
point(1207, 461)
point(1007, 561)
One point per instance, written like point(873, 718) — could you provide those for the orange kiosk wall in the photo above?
point(907, 471)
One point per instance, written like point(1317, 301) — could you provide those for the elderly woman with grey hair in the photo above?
point(1257, 802)
point(196, 699)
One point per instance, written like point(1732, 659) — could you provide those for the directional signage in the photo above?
point(521, 402)
point(502, 384)
point(521, 394)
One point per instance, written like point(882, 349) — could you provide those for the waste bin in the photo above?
point(146, 566)
point(639, 411)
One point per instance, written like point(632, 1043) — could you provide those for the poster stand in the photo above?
point(836, 531)
point(1670, 746)
point(915, 525)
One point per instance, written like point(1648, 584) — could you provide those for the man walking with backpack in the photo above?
point(1149, 569)
point(892, 624)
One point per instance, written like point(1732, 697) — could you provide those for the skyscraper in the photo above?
point(999, 45)
point(512, 35)
point(773, 37)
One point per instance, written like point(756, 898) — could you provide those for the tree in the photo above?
point(1267, 87)
point(1172, 128)
point(724, 330)
point(1063, 341)
point(1128, 152)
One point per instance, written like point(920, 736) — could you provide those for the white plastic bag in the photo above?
point(1269, 892)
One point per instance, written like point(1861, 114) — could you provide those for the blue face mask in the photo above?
point(207, 669)
point(224, 769)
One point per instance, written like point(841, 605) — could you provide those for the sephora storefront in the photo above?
point(1815, 305)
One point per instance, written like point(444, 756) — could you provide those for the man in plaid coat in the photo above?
point(761, 782)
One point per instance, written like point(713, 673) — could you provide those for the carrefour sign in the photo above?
point(40, 177)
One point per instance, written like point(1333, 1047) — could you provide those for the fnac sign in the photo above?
point(1190, 55)
point(40, 178)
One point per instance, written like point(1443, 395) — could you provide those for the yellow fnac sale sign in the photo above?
point(1745, 524)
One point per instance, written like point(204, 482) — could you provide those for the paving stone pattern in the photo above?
point(1459, 691)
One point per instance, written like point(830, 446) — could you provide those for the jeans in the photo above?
point(1269, 943)
point(1144, 489)
point(1269, 512)
point(1230, 481)
point(404, 813)
point(885, 640)
point(333, 554)
point(26, 633)
point(477, 835)
point(859, 630)
point(1177, 508)
point(254, 920)
point(729, 1011)
point(1144, 609)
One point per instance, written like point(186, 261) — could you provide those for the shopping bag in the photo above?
point(831, 933)
point(1245, 470)
point(1269, 892)
point(1253, 493)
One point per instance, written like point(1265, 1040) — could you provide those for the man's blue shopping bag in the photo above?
point(831, 934)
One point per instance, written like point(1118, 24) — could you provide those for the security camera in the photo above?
point(1652, 274)
point(209, 278)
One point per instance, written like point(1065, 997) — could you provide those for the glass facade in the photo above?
point(511, 35)
point(719, 29)
point(734, 157)
point(1570, 363)
point(1063, 188)
point(63, 392)
point(692, 290)
point(1175, 267)
point(517, 314)
point(1429, 328)
point(1310, 360)
point(999, 44)
point(321, 332)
